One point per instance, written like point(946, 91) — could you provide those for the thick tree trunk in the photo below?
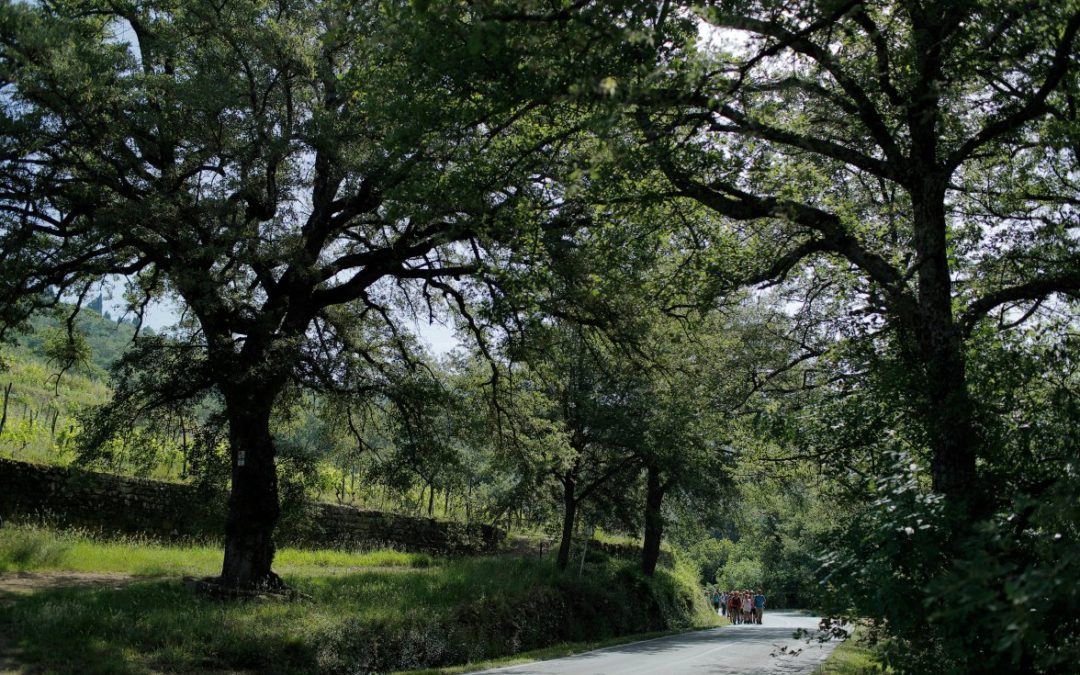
point(654, 521)
point(952, 463)
point(948, 409)
point(253, 503)
point(569, 516)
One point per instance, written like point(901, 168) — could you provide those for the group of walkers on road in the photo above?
point(739, 606)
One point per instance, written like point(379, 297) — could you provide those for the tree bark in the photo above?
point(948, 410)
point(253, 507)
point(569, 516)
point(654, 521)
point(184, 445)
point(468, 503)
point(7, 395)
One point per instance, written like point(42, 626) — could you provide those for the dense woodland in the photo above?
point(791, 286)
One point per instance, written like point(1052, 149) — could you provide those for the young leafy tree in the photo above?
point(700, 381)
point(589, 396)
point(267, 163)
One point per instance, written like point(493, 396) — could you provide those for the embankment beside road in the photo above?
point(373, 612)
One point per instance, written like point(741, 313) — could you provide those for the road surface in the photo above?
point(720, 651)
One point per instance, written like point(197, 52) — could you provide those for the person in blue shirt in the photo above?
point(759, 607)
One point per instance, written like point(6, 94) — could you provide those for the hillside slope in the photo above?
point(38, 404)
point(107, 339)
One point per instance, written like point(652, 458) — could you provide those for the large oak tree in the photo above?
point(284, 168)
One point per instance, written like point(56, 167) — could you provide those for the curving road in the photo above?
point(769, 649)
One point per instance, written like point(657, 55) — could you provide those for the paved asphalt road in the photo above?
point(720, 651)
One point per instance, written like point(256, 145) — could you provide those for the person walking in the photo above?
point(759, 607)
point(734, 607)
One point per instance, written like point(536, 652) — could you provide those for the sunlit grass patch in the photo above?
point(346, 559)
point(854, 656)
point(34, 548)
point(26, 548)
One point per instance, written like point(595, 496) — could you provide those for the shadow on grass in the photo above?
point(147, 627)
point(370, 620)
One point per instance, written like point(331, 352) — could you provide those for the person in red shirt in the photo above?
point(735, 607)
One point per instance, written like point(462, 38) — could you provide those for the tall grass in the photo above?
point(26, 548)
point(31, 547)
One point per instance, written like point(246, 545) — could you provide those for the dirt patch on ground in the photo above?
point(14, 585)
point(23, 583)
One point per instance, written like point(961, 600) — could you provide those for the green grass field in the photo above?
point(374, 611)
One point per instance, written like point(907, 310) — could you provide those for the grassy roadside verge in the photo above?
point(368, 612)
point(853, 656)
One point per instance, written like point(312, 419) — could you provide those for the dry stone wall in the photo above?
point(109, 503)
point(96, 501)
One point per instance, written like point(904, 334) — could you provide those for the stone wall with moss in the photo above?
point(70, 497)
